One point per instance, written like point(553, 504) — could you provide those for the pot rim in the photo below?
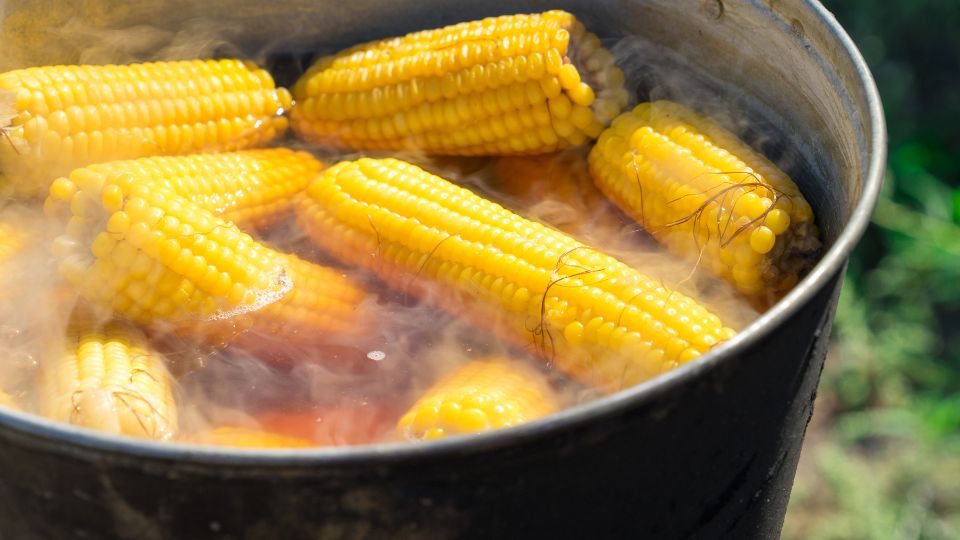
point(72, 439)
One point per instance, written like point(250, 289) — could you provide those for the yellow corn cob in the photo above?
point(490, 393)
point(108, 378)
point(251, 188)
point(246, 438)
point(517, 84)
point(557, 190)
point(708, 197)
point(7, 401)
point(137, 248)
point(61, 117)
point(597, 318)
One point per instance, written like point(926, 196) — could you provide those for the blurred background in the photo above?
point(882, 454)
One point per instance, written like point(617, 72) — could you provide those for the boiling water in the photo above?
point(356, 394)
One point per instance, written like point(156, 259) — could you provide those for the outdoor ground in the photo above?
point(882, 455)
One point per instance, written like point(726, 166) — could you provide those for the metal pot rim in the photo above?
point(72, 439)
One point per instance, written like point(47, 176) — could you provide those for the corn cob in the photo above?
point(251, 188)
point(517, 84)
point(136, 248)
point(597, 318)
point(489, 393)
point(62, 117)
point(246, 438)
point(708, 197)
point(557, 190)
point(108, 378)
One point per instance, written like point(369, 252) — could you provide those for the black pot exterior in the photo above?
point(713, 458)
point(707, 451)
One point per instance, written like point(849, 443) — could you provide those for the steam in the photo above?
point(34, 307)
point(354, 390)
point(656, 73)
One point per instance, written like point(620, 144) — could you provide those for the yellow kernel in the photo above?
point(569, 77)
point(63, 189)
point(581, 117)
point(450, 413)
point(582, 94)
point(102, 245)
point(473, 420)
point(762, 239)
point(434, 434)
point(551, 87)
point(560, 106)
point(118, 223)
point(746, 275)
point(574, 333)
point(425, 419)
point(778, 221)
point(554, 62)
point(521, 300)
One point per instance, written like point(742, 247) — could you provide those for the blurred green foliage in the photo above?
point(882, 458)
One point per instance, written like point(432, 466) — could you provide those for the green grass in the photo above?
point(882, 457)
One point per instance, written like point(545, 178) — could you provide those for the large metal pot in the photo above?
point(708, 450)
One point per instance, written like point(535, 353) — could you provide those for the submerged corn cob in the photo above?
point(15, 233)
point(13, 237)
point(708, 197)
point(21, 231)
point(517, 84)
point(108, 378)
point(139, 249)
point(61, 117)
point(557, 190)
point(7, 401)
point(252, 188)
point(597, 318)
point(344, 424)
point(489, 393)
point(246, 438)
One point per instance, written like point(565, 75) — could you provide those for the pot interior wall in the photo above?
point(745, 62)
